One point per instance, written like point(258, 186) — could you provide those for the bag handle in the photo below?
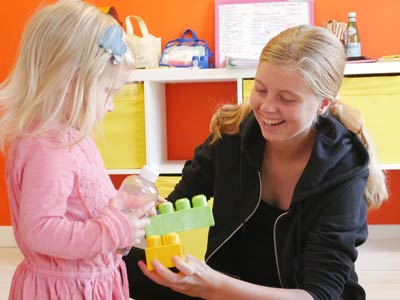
point(185, 40)
point(194, 40)
point(142, 25)
point(187, 31)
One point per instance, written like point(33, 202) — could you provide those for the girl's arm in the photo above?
point(46, 226)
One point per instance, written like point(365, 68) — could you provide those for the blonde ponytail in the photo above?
point(376, 191)
point(227, 118)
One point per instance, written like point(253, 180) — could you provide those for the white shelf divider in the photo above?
point(155, 124)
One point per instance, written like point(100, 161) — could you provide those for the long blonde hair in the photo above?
point(319, 58)
point(57, 70)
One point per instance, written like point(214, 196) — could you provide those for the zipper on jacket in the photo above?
point(242, 224)
point(275, 248)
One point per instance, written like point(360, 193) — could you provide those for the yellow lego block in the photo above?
point(163, 249)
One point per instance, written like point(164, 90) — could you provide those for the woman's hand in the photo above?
point(159, 201)
point(195, 278)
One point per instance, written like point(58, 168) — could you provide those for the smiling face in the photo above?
point(283, 104)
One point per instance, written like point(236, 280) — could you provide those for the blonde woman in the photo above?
point(292, 175)
point(72, 60)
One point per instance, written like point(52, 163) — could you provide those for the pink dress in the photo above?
point(63, 223)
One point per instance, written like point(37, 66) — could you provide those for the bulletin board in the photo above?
point(243, 27)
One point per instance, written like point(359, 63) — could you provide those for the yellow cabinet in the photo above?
point(123, 143)
point(378, 99)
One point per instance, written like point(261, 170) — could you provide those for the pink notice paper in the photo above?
point(243, 27)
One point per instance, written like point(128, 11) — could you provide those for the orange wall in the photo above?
point(376, 21)
point(168, 19)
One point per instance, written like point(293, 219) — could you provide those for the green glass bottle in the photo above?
point(353, 48)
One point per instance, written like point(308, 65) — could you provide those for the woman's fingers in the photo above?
point(160, 200)
point(195, 278)
point(186, 268)
point(152, 275)
point(164, 272)
point(161, 274)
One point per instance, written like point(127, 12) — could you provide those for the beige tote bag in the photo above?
point(147, 47)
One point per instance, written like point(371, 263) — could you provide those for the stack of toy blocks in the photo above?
point(162, 238)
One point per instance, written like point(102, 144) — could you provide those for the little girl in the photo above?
point(72, 60)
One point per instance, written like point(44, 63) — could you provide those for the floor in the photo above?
point(378, 265)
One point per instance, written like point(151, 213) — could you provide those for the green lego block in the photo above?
point(183, 219)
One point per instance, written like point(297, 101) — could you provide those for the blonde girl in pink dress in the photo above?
point(72, 60)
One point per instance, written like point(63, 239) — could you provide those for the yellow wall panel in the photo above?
point(165, 184)
point(123, 144)
point(378, 99)
point(247, 87)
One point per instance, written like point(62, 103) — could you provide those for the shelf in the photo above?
point(377, 68)
point(166, 167)
point(170, 167)
point(389, 167)
point(182, 75)
point(123, 171)
point(156, 79)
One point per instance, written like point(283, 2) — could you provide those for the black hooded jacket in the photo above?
point(315, 240)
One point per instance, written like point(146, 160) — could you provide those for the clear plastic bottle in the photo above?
point(136, 190)
point(353, 48)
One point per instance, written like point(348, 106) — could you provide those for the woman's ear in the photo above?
point(323, 106)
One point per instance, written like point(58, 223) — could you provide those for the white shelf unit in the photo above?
point(155, 106)
point(155, 102)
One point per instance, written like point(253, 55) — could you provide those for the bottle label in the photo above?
point(351, 31)
point(353, 49)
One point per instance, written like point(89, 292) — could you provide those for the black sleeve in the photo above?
point(197, 174)
point(330, 250)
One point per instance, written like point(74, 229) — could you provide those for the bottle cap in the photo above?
point(195, 61)
point(148, 173)
point(351, 14)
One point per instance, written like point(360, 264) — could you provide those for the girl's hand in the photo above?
point(195, 278)
point(138, 220)
point(129, 201)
